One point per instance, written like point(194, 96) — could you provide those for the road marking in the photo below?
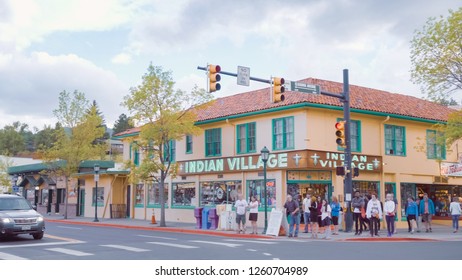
point(251, 250)
point(40, 244)
point(62, 238)
point(5, 256)
point(70, 227)
point(174, 245)
point(251, 241)
point(160, 237)
point(128, 248)
point(69, 252)
point(232, 245)
point(276, 259)
point(267, 254)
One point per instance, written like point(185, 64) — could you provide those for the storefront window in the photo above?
point(224, 192)
point(99, 197)
point(256, 188)
point(139, 195)
point(366, 188)
point(44, 197)
point(153, 194)
point(184, 194)
point(441, 196)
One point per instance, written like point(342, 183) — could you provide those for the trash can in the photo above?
point(213, 218)
point(205, 218)
point(198, 215)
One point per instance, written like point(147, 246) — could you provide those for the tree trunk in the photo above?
point(162, 199)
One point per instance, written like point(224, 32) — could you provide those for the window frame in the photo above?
point(287, 144)
point(247, 138)
point(210, 133)
point(189, 144)
point(394, 140)
point(439, 150)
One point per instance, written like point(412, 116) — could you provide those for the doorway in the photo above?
point(129, 196)
point(82, 202)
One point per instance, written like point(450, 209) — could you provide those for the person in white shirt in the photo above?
point(325, 218)
point(241, 208)
point(253, 213)
point(374, 213)
point(389, 210)
point(306, 211)
point(455, 210)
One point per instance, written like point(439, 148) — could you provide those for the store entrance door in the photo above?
point(299, 190)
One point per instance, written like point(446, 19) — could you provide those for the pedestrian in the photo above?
point(293, 209)
point(306, 211)
point(335, 206)
point(419, 217)
point(357, 203)
point(325, 218)
point(319, 201)
point(427, 208)
point(374, 213)
point(396, 208)
point(241, 208)
point(314, 217)
point(454, 209)
point(412, 212)
point(389, 210)
point(253, 213)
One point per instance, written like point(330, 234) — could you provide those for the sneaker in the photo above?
point(356, 233)
point(430, 229)
point(455, 231)
point(305, 232)
point(426, 230)
point(290, 235)
point(412, 232)
point(295, 235)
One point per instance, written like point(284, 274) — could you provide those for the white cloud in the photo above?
point(122, 58)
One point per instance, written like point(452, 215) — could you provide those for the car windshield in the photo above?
point(14, 204)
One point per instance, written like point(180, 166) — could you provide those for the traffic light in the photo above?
point(214, 77)
point(278, 90)
point(340, 133)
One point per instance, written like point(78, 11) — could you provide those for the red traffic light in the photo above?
point(340, 125)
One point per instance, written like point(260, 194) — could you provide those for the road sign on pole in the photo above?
point(303, 87)
point(243, 76)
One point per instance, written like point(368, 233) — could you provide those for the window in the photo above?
point(435, 150)
point(184, 194)
point(213, 142)
point(366, 188)
point(154, 194)
point(395, 140)
point(99, 197)
point(246, 138)
point(223, 192)
point(189, 144)
point(139, 195)
point(283, 133)
point(169, 151)
point(256, 188)
point(136, 157)
point(355, 133)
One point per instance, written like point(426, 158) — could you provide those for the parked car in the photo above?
point(18, 216)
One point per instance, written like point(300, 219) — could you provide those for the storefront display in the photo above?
point(367, 188)
point(221, 192)
point(184, 194)
point(256, 188)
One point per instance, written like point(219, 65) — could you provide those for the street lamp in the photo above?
point(264, 157)
point(96, 169)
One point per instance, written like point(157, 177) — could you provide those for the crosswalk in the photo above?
point(146, 246)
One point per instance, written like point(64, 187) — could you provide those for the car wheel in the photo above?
point(38, 235)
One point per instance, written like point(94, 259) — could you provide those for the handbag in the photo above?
point(363, 213)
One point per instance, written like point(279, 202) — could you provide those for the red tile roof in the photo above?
point(361, 98)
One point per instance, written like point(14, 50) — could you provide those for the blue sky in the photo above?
point(103, 47)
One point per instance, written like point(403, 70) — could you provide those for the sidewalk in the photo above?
point(439, 232)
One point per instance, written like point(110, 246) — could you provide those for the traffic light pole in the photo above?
point(344, 97)
point(235, 75)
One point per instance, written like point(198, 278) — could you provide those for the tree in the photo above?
point(166, 115)
point(45, 138)
point(94, 110)
point(5, 163)
point(11, 139)
point(122, 124)
point(77, 143)
point(436, 56)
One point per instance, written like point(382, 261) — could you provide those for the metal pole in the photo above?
point(348, 183)
point(96, 201)
point(266, 197)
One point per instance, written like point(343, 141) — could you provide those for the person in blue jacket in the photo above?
point(427, 210)
point(412, 211)
point(335, 206)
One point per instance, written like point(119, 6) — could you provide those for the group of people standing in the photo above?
point(317, 213)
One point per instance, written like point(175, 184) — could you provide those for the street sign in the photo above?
point(243, 76)
point(15, 189)
point(303, 87)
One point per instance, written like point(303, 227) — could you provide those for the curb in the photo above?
point(389, 239)
point(165, 229)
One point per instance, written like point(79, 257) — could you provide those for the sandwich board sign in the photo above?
point(276, 221)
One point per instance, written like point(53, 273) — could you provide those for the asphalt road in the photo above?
point(81, 242)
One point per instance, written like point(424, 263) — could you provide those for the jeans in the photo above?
point(390, 224)
point(455, 222)
point(374, 226)
point(295, 220)
point(306, 216)
point(358, 221)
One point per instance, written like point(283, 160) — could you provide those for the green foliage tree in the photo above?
point(45, 138)
point(11, 139)
point(76, 143)
point(5, 163)
point(165, 115)
point(436, 56)
point(121, 124)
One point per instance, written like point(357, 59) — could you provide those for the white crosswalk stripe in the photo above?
point(159, 237)
point(5, 256)
point(127, 248)
point(174, 245)
point(232, 245)
point(69, 252)
point(251, 241)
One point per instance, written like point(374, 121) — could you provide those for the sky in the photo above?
point(103, 47)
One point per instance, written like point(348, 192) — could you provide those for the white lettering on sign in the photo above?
point(334, 160)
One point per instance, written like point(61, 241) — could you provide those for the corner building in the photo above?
point(392, 138)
